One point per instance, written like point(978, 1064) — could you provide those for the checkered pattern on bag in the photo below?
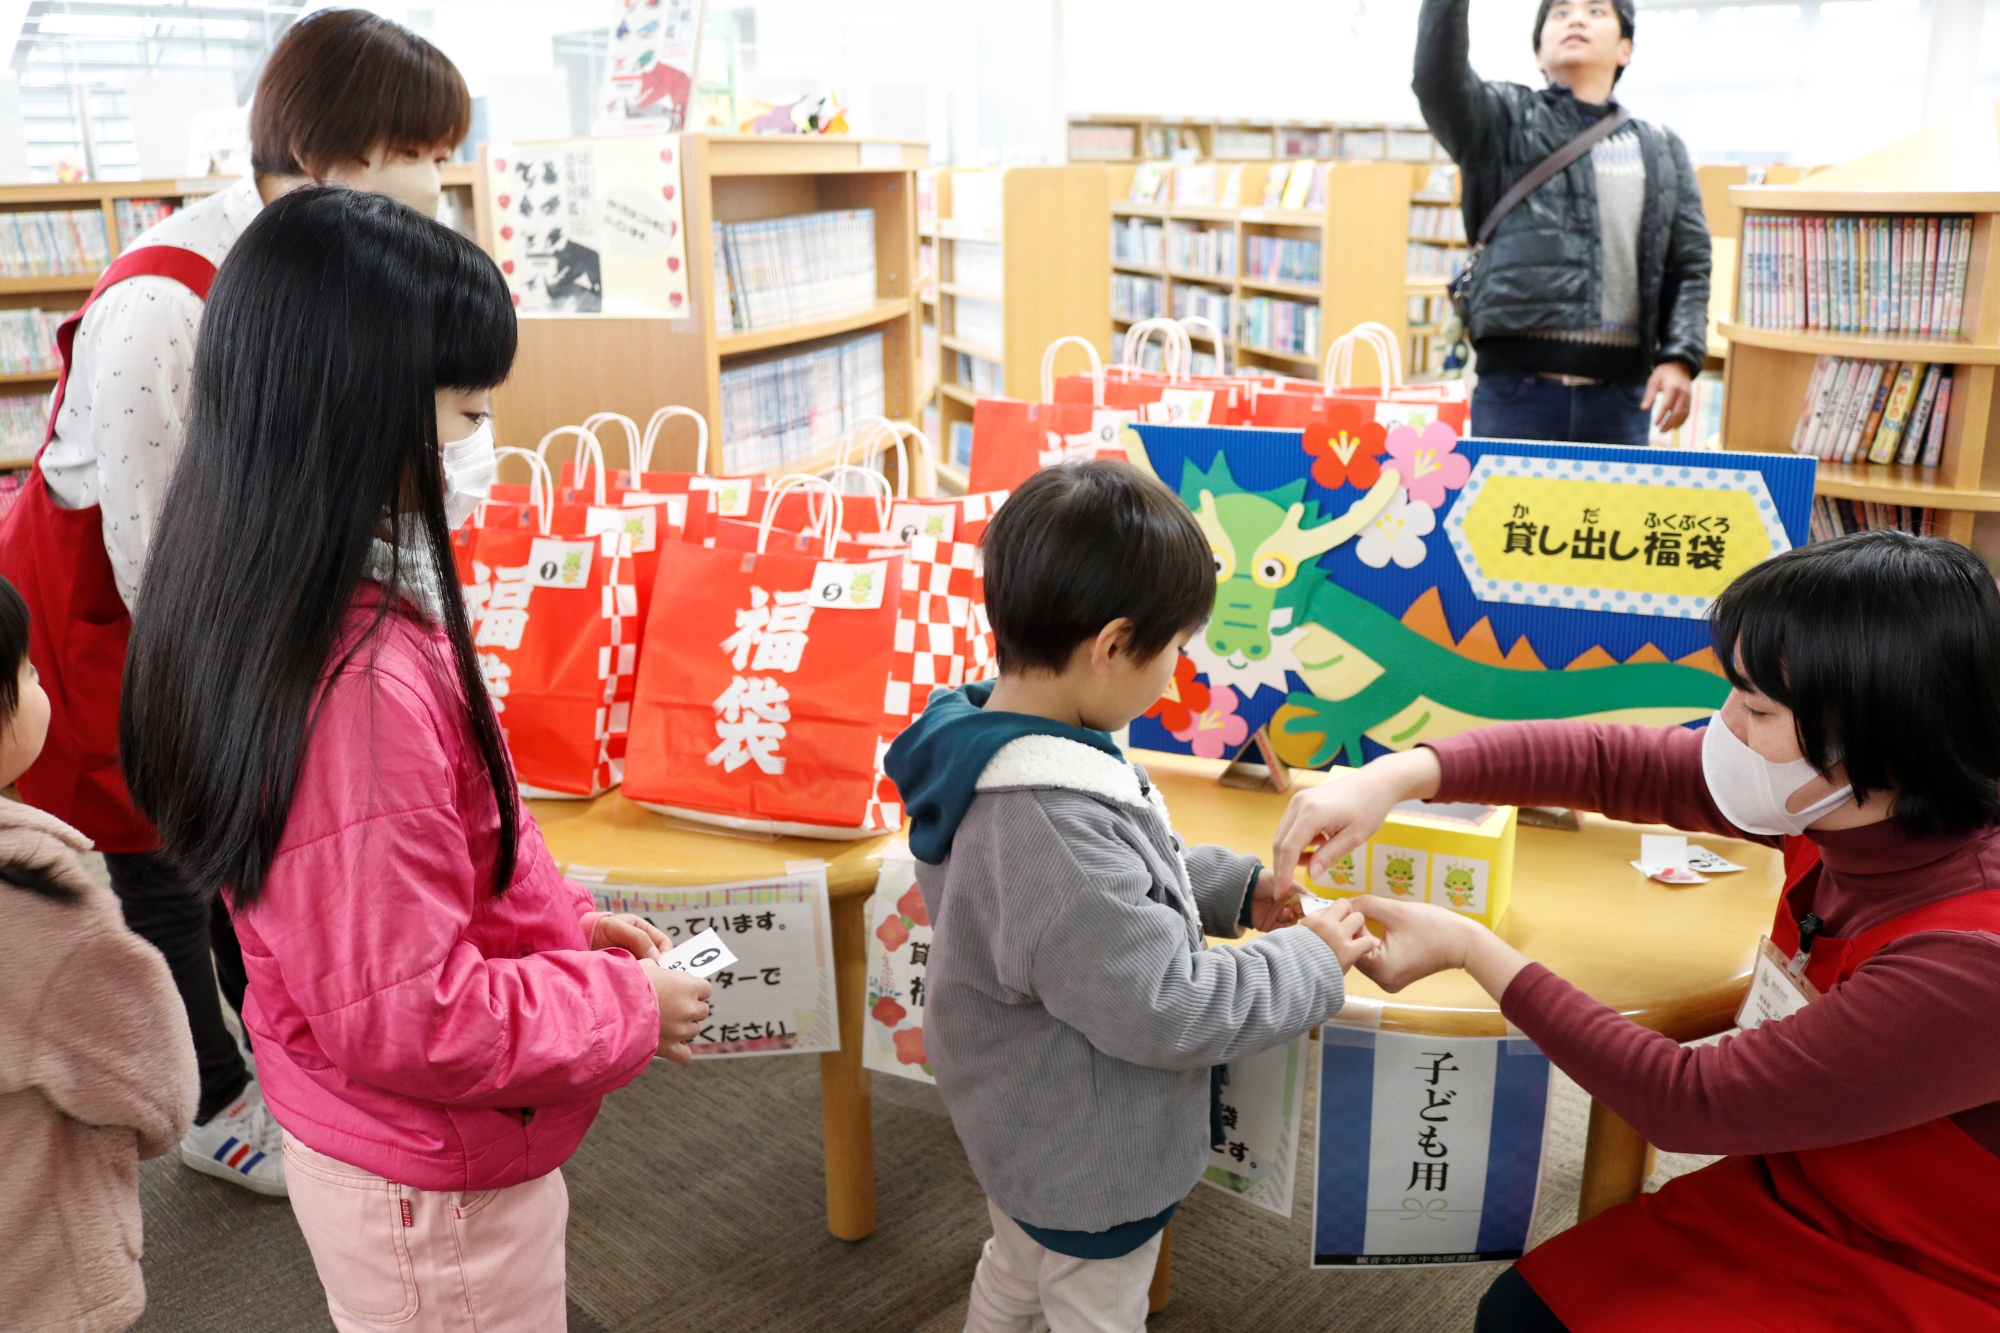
point(885, 808)
point(617, 662)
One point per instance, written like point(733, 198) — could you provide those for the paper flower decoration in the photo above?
point(1345, 454)
point(911, 905)
point(1184, 698)
point(893, 933)
point(887, 1012)
point(1216, 730)
point(1428, 463)
point(1398, 534)
point(910, 1048)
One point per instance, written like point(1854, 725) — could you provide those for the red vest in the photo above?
point(79, 626)
point(1895, 1233)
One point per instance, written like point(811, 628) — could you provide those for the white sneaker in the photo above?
point(241, 1144)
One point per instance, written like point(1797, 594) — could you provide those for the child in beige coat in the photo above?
point(96, 1066)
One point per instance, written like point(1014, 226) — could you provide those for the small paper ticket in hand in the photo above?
point(703, 956)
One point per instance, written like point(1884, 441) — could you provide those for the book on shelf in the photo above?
point(1437, 222)
point(976, 266)
point(1834, 517)
point(977, 374)
point(1882, 276)
point(1136, 297)
point(1166, 140)
point(1102, 143)
point(1231, 193)
point(806, 266)
point(54, 243)
point(1425, 262)
point(1410, 146)
point(1208, 252)
point(1299, 185)
point(1274, 185)
point(960, 451)
point(1440, 186)
point(24, 419)
point(1297, 142)
point(136, 215)
point(1369, 145)
point(1195, 184)
point(1206, 302)
point(1273, 324)
point(1857, 410)
point(1147, 181)
point(28, 341)
point(1257, 144)
point(1136, 241)
point(786, 408)
point(1281, 259)
point(977, 322)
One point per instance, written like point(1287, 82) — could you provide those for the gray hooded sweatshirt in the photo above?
point(1075, 1009)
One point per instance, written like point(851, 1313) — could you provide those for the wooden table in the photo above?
point(1676, 960)
point(630, 844)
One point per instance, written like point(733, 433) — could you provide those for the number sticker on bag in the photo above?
point(559, 564)
point(843, 587)
point(641, 523)
point(907, 521)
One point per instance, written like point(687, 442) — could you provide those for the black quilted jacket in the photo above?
point(1541, 272)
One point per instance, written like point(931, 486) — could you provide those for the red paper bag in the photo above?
point(1012, 439)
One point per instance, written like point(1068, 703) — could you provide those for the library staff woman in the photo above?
point(1588, 307)
point(1862, 1185)
point(345, 97)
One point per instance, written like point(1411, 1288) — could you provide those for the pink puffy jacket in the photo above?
point(406, 1019)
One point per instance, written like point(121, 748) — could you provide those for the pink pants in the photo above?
point(393, 1258)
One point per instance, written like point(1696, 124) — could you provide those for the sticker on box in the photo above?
point(1459, 882)
point(1398, 872)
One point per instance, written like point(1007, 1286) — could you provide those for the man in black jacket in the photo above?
point(1589, 307)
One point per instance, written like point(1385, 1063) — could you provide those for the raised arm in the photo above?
point(1469, 116)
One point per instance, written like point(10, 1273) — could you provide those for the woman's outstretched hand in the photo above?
point(1419, 939)
point(1342, 814)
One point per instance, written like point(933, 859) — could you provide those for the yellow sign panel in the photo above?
point(1648, 541)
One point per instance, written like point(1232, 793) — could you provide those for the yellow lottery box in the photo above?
point(1455, 855)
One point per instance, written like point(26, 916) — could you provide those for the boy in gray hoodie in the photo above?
point(1076, 1018)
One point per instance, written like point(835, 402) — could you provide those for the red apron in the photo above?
point(1895, 1233)
point(79, 625)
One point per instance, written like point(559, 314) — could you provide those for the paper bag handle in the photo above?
point(1173, 345)
point(541, 483)
point(870, 429)
point(838, 474)
point(793, 481)
point(658, 420)
point(1188, 322)
point(588, 452)
point(1338, 370)
point(631, 427)
point(1049, 368)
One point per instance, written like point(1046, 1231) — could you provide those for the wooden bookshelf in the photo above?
point(1950, 167)
point(1437, 186)
point(1363, 234)
point(571, 367)
point(1054, 261)
point(66, 291)
point(1115, 137)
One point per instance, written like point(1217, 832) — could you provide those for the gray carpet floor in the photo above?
point(697, 1203)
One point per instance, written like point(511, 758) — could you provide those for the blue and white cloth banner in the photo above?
point(1430, 1148)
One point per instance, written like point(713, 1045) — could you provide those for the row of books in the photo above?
point(1860, 410)
point(1703, 427)
point(1134, 297)
point(806, 266)
point(1273, 324)
point(55, 243)
point(1437, 222)
point(1281, 259)
point(1205, 302)
point(978, 374)
point(24, 419)
point(136, 215)
point(28, 341)
point(1833, 517)
point(1428, 263)
point(1137, 241)
point(1877, 275)
point(786, 409)
point(1428, 311)
point(1205, 251)
point(1295, 185)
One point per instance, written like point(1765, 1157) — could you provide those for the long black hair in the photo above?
point(1886, 647)
point(331, 326)
point(13, 652)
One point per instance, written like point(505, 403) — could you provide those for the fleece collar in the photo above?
point(1056, 761)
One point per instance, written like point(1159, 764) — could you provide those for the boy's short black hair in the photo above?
point(1886, 647)
point(1083, 544)
point(1628, 15)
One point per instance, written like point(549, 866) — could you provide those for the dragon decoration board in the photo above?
point(1406, 585)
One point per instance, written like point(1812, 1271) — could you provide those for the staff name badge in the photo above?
point(1774, 991)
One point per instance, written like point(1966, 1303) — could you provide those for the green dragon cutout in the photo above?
point(1366, 672)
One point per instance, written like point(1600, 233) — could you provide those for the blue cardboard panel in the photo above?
point(1513, 580)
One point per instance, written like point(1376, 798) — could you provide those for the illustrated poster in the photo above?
point(899, 952)
point(778, 998)
point(1262, 1096)
point(591, 226)
point(649, 78)
point(1430, 1148)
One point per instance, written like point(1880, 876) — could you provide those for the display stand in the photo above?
point(1952, 167)
point(571, 367)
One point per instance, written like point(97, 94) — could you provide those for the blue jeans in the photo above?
point(1534, 407)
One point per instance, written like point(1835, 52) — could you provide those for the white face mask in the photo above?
point(1751, 791)
point(470, 469)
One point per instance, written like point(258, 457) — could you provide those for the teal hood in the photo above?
point(937, 760)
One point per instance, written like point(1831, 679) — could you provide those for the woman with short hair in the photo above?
point(347, 98)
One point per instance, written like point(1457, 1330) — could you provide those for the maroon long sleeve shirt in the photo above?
point(1914, 1034)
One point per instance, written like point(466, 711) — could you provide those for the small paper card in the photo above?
point(1665, 857)
point(702, 956)
point(1709, 863)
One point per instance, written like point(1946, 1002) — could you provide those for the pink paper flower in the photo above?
point(1216, 730)
point(893, 933)
point(910, 1048)
point(1428, 463)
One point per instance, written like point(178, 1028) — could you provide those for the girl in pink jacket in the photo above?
point(437, 1013)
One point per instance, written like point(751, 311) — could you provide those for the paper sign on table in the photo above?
point(1262, 1096)
point(703, 956)
point(777, 996)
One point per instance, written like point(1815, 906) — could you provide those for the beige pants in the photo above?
point(1022, 1288)
point(399, 1260)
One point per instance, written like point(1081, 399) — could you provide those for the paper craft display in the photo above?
point(1430, 1148)
point(777, 996)
point(591, 226)
point(1262, 1097)
point(702, 956)
point(1458, 856)
point(899, 953)
point(1406, 585)
point(649, 79)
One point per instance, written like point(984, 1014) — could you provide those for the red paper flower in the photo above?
point(1344, 452)
point(911, 905)
point(910, 1047)
point(1185, 697)
point(888, 1013)
point(893, 933)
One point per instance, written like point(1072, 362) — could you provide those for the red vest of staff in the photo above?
point(1898, 1232)
point(55, 557)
